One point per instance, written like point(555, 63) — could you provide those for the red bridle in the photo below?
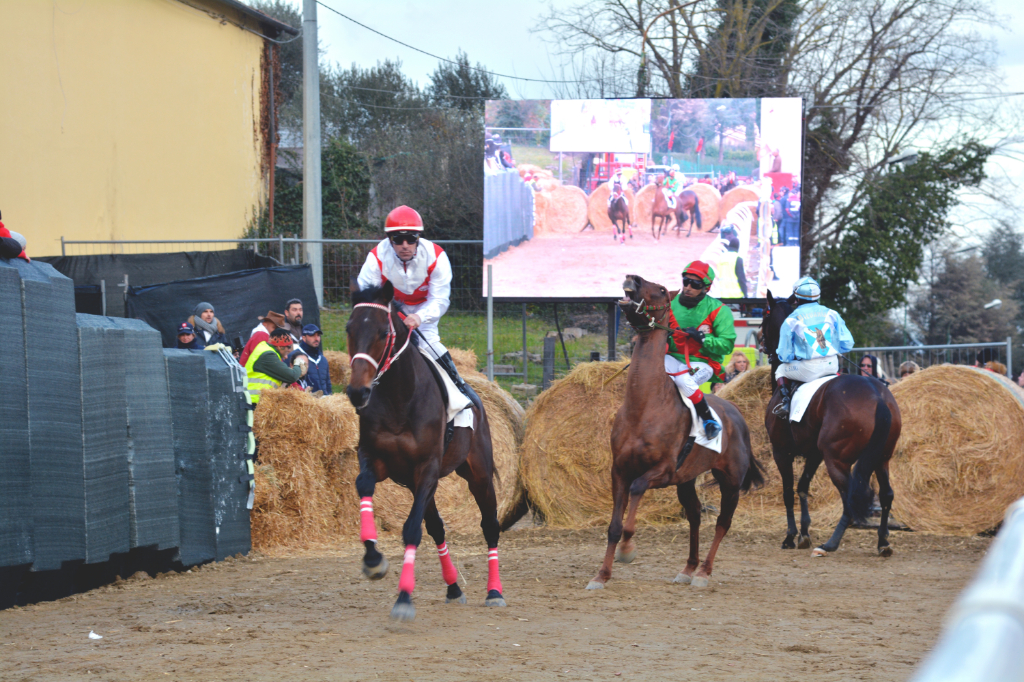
point(389, 356)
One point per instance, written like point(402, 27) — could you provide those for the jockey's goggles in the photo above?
point(404, 238)
point(693, 283)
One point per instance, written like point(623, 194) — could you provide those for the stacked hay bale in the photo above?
point(597, 207)
point(566, 210)
point(709, 200)
point(959, 462)
point(566, 453)
point(338, 364)
point(737, 195)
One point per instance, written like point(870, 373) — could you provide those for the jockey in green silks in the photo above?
point(706, 336)
point(672, 186)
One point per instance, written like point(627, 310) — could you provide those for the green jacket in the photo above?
point(673, 185)
point(715, 320)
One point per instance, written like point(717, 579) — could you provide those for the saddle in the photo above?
point(463, 417)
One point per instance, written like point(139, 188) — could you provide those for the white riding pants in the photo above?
point(688, 383)
point(429, 332)
point(808, 370)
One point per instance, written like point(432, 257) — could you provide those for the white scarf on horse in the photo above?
point(697, 427)
point(802, 398)
point(459, 406)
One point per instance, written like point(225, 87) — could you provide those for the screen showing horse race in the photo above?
point(579, 193)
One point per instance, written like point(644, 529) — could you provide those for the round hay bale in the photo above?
point(958, 464)
point(525, 168)
point(566, 210)
point(465, 362)
point(547, 184)
point(736, 195)
point(709, 199)
point(597, 207)
point(305, 481)
point(566, 454)
point(644, 207)
point(338, 364)
point(541, 200)
point(506, 418)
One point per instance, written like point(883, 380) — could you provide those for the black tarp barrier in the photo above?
point(186, 380)
point(238, 299)
point(104, 438)
point(144, 269)
point(89, 299)
point(152, 488)
point(15, 461)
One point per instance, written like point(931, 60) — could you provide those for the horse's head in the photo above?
point(371, 336)
point(771, 322)
point(644, 302)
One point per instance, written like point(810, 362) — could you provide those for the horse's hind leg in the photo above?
point(614, 531)
point(784, 462)
point(412, 534)
point(687, 494)
point(803, 490)
point(481, 485)
point(375, 565)
point(841, 479)
point(435, 526)
point(885, 497)
point(730, 498)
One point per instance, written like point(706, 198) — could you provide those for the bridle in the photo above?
point(389, 356)
point(643, 310)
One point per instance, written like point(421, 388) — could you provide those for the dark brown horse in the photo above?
point(851, 420)
point(618, 212)
point(401, 437)
point(687, 204)
point(651, 445)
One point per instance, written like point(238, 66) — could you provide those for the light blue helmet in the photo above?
point(807, 289)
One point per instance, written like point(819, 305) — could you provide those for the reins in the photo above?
point(390, 356)
point(642, 309)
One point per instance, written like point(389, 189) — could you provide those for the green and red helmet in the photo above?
point(700, 270)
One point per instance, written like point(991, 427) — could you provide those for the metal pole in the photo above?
point(273, 137)
point(1009, 356)
point(526, 365)
point(103, 295)
point(62, 246)
point(312, 219)
point(490, 326)
point(611, 332)
point(280, 248)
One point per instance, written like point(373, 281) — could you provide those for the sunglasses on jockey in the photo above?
point(693, 283)
point(404, 238)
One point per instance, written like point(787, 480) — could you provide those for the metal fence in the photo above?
point(508, 212)
point(891, 357)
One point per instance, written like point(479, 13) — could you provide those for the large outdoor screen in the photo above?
point(579, 193)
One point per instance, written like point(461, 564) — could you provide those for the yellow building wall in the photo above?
point(126, 119)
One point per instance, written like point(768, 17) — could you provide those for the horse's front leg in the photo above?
point(654, 478)
point(412, 534)
point(803, 491)
point(784, 462)
point(687, 495)
point(614, 531)
point(375, 565)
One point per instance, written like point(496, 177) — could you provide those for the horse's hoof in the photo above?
point(625, 558)
point(818, 551)
point(494, 598)
point(699, 581)
point(595, 585)
point(461, 599)
point(376, 572)
point(885, 551)
point(682, 579)
point(403, 610)
point(788, 543)
point(805, 542)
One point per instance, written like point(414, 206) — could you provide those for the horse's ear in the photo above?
point(353, 285)
point(771, 299)
point(387, 292)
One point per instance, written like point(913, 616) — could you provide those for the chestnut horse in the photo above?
point(686, 204)
point(401, 436)
point(652, 448)
point(618, 211)
point(851, 420)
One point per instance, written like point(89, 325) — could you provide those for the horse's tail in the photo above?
point(755, 472)
point(696, 212)
point(859, 494)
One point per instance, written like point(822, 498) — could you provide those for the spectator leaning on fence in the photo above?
point(187, 337)
point(318, 378)
point(265, 368)
point(208, 328)
point(909, 367)
point(293, 318)
point(261, 332)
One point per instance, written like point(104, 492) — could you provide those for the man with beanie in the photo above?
point(318, 376)
point(208, 328)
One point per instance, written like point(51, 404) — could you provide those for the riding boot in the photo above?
point(786, 391)
point(449, 366)
point(711, 427)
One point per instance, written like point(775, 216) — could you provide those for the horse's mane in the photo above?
point(367, 295)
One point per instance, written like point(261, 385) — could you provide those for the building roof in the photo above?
point(272, 27)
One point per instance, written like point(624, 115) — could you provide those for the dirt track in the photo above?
point(767, 615)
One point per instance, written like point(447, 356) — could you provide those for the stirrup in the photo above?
point(782, 409)
point(712, 429)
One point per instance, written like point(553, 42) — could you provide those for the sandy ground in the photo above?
point(768, 614)
point(591, 264)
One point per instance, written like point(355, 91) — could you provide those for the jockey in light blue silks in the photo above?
point(810, 341)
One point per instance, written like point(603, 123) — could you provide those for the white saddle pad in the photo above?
point(459, 406)
point(803, 395)
point(697, 427)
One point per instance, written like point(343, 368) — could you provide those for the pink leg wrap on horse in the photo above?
point(447, 567)
point(367, 528)
point(493, 578)
point(407, 583)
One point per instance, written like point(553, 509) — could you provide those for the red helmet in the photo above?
point(403, 219)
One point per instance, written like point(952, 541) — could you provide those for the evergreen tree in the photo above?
point(461, 86)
